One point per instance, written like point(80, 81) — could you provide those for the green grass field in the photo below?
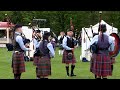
point(58, 69)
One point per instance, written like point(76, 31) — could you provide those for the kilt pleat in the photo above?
point(66, 60)
point(18, 63)
point(101, 65)
point(44, 66)
point(35, 60)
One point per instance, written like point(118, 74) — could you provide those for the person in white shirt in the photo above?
point(47, 52)
point(36, 41)
point(60, 39)
point(101, 61)
point(68, 54)
point(18, 63)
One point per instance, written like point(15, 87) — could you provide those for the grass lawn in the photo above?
point(58, 69)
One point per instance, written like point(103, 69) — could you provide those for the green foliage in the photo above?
point(60, 20)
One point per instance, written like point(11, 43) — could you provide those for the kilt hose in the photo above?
point(18, 63)
point(35, 60)
point(112, 62)
point(44, 66)
point(101, 65)
point(66, 60)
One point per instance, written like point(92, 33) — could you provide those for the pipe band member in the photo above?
point(60, 40)
point(68, 54)
point(46, 53)
point(101, 61)
point(36, 42)
point(18, 63)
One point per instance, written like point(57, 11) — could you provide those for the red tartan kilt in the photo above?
point(67, 61)
point(18, 63)
point(44, 66)
point(35, 60)
point(101, 65)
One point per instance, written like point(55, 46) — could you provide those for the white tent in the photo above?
point(86, 41)
point(110, 29)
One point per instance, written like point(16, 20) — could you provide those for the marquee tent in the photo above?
point(86, 41)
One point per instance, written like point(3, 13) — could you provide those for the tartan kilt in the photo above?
point(35, 60)
point(101, 65)
point(44, 66)
point(18, 63)
point(66, 60)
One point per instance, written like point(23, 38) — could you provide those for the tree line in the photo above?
point(60, 20)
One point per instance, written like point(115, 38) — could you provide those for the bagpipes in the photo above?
point(26, 41)
point(10, 46)
point(116, 42)
point(72, 28)
point(93, 47)
point(113, 53)
point(35, 36)
point(54, 36)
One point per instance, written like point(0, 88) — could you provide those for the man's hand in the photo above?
point(72, 49)
point(29, 49)
point(75, 46)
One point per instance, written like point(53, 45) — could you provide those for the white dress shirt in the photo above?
point(19, 39)
point(111, 41)
point(51, 49)
point(64, 44)
point(36, 43)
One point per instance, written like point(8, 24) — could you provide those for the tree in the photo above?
point(60, 20)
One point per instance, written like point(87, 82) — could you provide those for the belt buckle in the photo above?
point(16, 51)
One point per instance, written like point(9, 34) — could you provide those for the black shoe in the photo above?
point(98, 78)
point(73, 75)
point(68, 74)
point(43, 78)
